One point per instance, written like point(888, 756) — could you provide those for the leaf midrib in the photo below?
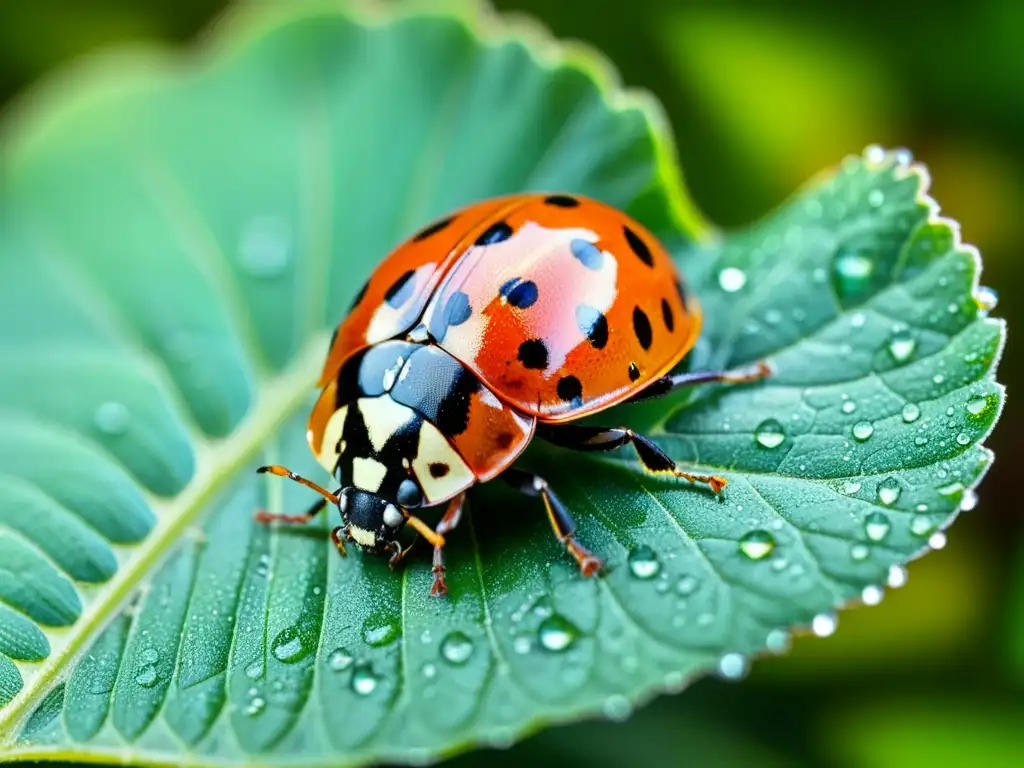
point(217, 461)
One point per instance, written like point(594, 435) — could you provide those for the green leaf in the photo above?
point(178, 238)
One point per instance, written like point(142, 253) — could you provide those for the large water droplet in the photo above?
point(557, 633)
point(897, 576)
point(986, 299)
point(963, 439)
point(851, 273)
point(824, 624)
point(339, 660)
point(969, 500)
point(778, 641)
point(254, 671)
point(769, 434)
point(921, 525)
point(877, 526)
point(264, 246)
point(757, 545)
point(901, 343)
point(732, 279)
point(112, 418)
point(937, 540)
point(889, 491)
point(149, 656)
point(644, 563)
point(291, 646)
point(147, 676)
point(911, 413)
point(380, 634)
point(871, 594)
point(977, 405)
point(733, 666)
point(862, 430)
point(456, 648)
point(364, 679)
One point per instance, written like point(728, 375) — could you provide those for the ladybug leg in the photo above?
point(313, 511)
point(336, 535)
point(654, 460)
point(561, 521)
point(670, 383)
point(447, 524)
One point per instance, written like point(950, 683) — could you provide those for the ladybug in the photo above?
point(502, 322)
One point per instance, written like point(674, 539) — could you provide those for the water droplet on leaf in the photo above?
point(364, 680)
point(901, 343)
point(733, 666)
point(889, 491)
point(147, 676)
point(291, 645)
point(824, 624)
point(732, 279)
point(112, 418)
point(643, 562)
point(911, 413)
point(456, 648)
point(339, 660)
point(757, 545)
point(557, 633)
point(862, 430)
point(877, 526)
point(769, 434)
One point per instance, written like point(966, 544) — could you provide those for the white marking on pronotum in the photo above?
point(383, 417)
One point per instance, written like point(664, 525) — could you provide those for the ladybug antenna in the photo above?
point(274, 469)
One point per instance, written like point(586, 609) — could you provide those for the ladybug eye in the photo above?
point(342, 502)
point(392, 517)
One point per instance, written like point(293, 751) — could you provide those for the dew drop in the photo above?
point(732, 279)
point(849, 407)
point(986, 299)
point(889, 491)
point(897, 576)
point(875, 198)
point(877, 526)
point(862, 430)
point(937, 540)
point(921, 525)
point(824, 624)
point(149, 656)
point(339, 660)
point(920, 440)
point(977, 405)
point(733, 666)
point(617, 707)
point(911, 413)
point(963, 439)
point(428, 670)
point(290, 646)
point(644, 563)
point(871, 594)
point(364, 680)
point(874, 154)
point(264, 246)
point(778, 641)
point(522, 645)
point(969, 500)
point(112, 418)
point(378, 635)
point(256, 705)
point(769, 434)
point(901, 343)
point(557, 633)
point(456, 648)
point(757, 544)
point(851, 273)
point(147, 676)
point(850, 488)
point(254, 670)
point(859, 552)
point(902, 156)
point(686, 586)
point(951, 489)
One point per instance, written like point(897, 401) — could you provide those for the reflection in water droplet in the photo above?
point(824, 624)
point(877, 526)
point(112, 418)
point(901, 343)
point(769, 434)
point(147, 676)
point(733, 666)
point(339, 659)
point(897, 576)
point(977, 405)
point(911, 413)
point(378, 635)
point(757, 544)
point(264, 246)
point(889, 491)
point(851, 273)
point(291, 646)
point(364, 679)
point(732, 279)
point(557, 633)
point(986, 299)
point(859, 552)
point(969, 500)
point(871, 595)
point(862, 430)
point(456, 648)
point(643, 562)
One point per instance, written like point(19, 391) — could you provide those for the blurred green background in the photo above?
point(761, 96)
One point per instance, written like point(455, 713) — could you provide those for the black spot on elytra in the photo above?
point(456, 311)
point(593, 325)
point(666, 315)
point(562, 201)
point(642, 328)
point(438, 469)
point(495, 233)
point(504, 439)
point(639, 246)
point(533, 354)
point(590, 255)
point(569, 388)
point(634, 372)
point(432, 229)
point(359, 296)
point(453, 411)
point(519, 294)
point(400, 290)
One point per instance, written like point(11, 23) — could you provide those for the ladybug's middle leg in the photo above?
point(672, 382)
point(451, 518)
point(654, 459)
point(561, 521)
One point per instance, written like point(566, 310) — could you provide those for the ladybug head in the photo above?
point(372, 521)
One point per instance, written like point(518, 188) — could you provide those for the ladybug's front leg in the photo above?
point(451, 518)
point(561, 521)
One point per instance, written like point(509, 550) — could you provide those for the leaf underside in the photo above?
point(177, 245)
